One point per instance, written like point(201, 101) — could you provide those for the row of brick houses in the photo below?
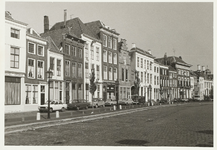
point(71, 48)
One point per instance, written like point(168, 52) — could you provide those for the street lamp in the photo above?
point(49, 76)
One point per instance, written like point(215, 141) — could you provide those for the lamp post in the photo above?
point(49, 76)
point(116, 90)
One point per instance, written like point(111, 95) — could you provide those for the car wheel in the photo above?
point(63, 109)
point(77, 108)
point(51, 110)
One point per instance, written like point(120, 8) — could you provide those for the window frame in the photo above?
point(42, 50)
point(14, 55)
point(42, 69)
point(33, 69)
point(33, 47)
point(18, 34)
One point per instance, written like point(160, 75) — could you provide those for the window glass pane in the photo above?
point(16, 58)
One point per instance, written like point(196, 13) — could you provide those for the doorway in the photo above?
point(42, 94)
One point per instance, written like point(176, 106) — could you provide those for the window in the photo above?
point(141, 76)
point(104, 40)
point(79, 70)
point(110, 57)
point(56, 92)
point(80, 91)
point(80, 53)
point(150, 65)
point(35, 94)
point(157, 69)
point(145, 77)
point(98, 90)
point(97, 72)
point(110, 73)
point(15, 33)
point(141, 63)
point(122, 74)
point(157, 81)
point(126, 75)
point(154, 68)
point(147, 64)
point(60, 91)
point(28, 94)
point(67, 49)
point(87, 91)
point(74, 92)
point(137, 61)
point(115, 44)
point(40, 70)
point(74, 72)
point(104, 56)
point(15, 52)
point(86, 51)
point(148, 78)
point(115, 74)
point(144, 64)
point(115, 58)
point(110, 42)
point(97, 53)
point(31, 48)
point(86, 70)
point(154, 80)
point(74, 51)
point(92, 52)
point(67, 68)
point(31, 68)
point(58, 67)
point(40, 50)
point(105, 72)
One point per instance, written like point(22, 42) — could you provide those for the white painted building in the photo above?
point(143, 62)
point(92, 59)
point(15, 64)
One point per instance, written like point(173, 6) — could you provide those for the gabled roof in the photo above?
point(8, 16)
point(57, 35)
point(97, 25)
point(173, 59)
point(76, 26)
point(52, 46)
point(141, 51)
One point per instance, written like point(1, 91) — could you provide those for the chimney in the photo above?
point(149, 50)
point(203, 68)
point(31, 30)
point(65, 17)
point(46, 24)
point(133, 45)
point(198, 68)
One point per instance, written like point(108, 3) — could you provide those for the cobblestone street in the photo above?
point(189, 124)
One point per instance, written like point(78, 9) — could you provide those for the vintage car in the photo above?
point(78, 104)
point(54, 106)
point(110, 102)
point(97, 102)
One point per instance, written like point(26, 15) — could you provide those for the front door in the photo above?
point(42, 94)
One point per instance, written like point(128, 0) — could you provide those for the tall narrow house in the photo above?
point(109, 55)
point(15, 65)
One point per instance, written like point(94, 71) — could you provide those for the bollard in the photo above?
point(114, 107)
point(120, 106)
point(57, 114)
point(38, 116)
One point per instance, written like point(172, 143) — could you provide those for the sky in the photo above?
point(176, 28)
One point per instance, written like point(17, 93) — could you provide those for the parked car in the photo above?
point(110, 102)
point(97, 102)
point(54, 106)
point(78, 104)
point(135, 102)
point(125, 101)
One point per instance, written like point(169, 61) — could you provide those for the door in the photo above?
point(42, 94)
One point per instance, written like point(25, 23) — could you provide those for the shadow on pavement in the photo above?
point(133, 142)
